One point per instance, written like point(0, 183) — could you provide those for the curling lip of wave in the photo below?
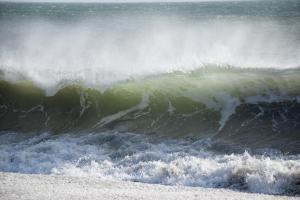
point(115, 91)
point(220, 102)
point(97, 54)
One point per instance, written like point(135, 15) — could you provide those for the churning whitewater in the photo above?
point(133, 157)
point(200, 94)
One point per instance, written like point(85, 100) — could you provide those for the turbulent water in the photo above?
point(197, 94)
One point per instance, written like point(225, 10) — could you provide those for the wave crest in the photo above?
point(252, 108)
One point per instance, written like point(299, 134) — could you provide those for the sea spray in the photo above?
point(201, 94)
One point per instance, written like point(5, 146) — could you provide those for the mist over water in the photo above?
point(198, 94)
point(101, 44)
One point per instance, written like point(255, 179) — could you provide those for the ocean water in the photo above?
point(200, 94)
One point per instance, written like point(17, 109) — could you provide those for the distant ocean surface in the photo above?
point(200, 94)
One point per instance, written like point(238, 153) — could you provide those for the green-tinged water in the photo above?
point(238, 105)
point(202, 94)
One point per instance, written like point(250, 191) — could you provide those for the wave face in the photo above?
point(253, 108)
point(198, 94)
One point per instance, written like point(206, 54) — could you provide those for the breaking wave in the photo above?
point(197, 94)
point(254, 108)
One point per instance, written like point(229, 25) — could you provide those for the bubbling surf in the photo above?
point(132, 157)
point(171, 94)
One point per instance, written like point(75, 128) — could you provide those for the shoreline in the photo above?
point(33, 186)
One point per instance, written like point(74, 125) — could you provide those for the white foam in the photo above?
point(125, 156)
point(141, 106)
